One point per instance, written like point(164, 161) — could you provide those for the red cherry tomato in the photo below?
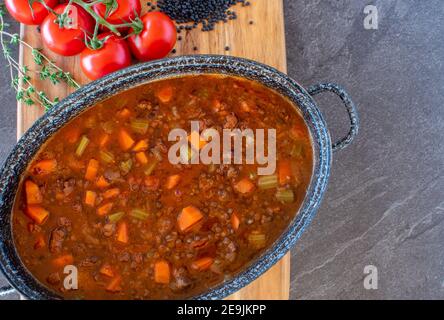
point(21, 11)
point(67, 41)
point(126, 11)
point(114, 55)
point(157, 38)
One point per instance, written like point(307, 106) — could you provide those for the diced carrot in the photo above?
point(141, 157)
point(199, 244)
point(235, 221)
point(90, 121)
point(63, 260)
point(124, 113)
point(60, 195)
point(165, 94)
point(90, 198)
point(43, 167)
point(244, 186)
point(125, 140)
point(102, 183)
point(33, 194)
point(202, 264)
point(188, 218)
point(114, 284)
point(172, 181)
point(122, 232)
point(111, 193)
point(284, 171)
point(105, 209)
point(91, 170)
point(216, 104)
point(142, 145)
point(296, 132)
point(40, 242)
point(152, 183)
point(104, 139)
point(75, 164)
point(72, 135)
point(37, 213)
point(193, 137)
point(245, 106)
point(162, 272)
point(106, 270)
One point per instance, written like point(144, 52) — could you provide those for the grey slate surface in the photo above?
point(385, 205)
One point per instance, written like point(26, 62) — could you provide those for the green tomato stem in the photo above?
point(99, 19)
point(136, 25)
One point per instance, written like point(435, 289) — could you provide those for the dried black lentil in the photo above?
point(195, 12)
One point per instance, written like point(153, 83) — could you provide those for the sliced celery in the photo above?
point(84, 141)
point(267, 182)
point(257, 239)
point(126, 166)
point(106, 156)
point(140, 125)
point(139, 214)
point(296, 150)
point(150, 167)
point(286, 196)
point(115, 216)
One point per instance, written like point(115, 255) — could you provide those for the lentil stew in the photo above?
point(101, 194)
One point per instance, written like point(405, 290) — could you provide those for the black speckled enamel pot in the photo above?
point(10, 264)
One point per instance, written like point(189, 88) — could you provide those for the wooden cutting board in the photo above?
point(257, 33)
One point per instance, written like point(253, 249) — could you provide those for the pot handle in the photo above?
point(5, 290)
point(349, 105)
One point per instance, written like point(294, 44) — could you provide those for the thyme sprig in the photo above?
point(20, 75)
point(21, 79)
